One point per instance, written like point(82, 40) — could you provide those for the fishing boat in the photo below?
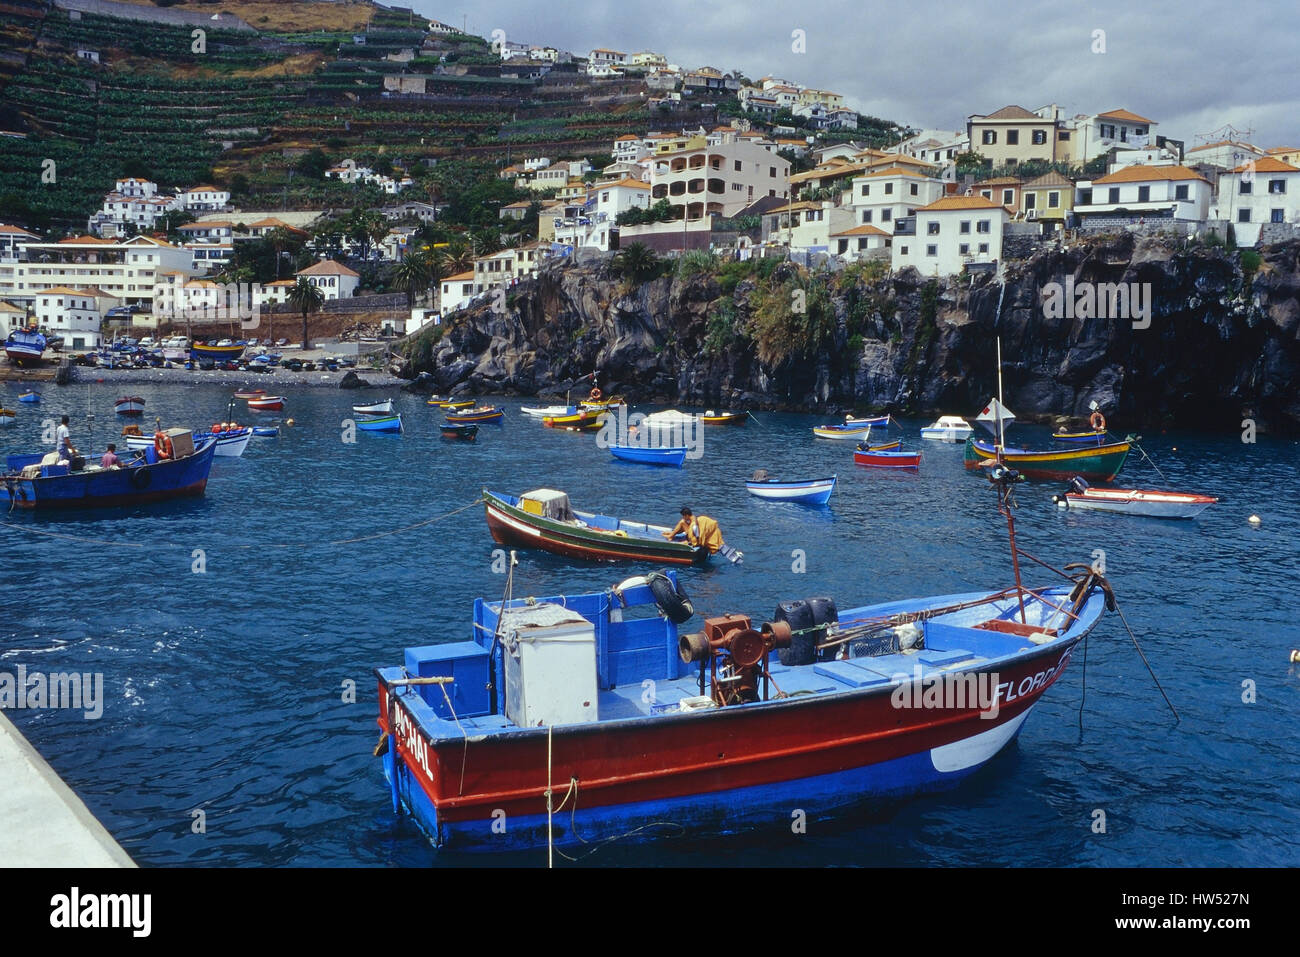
point(543, 518)
point(948, 428)
point(375, 408)
point(230, 443)
point(1080, 438)
point(798, 492)
point(8, 416)
point(541, 718)
point(199, 351)
point(129, 405)
point(450, 403)
point(542, 411)
point(724, 418)
point(267, 403)
point(673, 457)
point(25, 347)
point(884, 459)
point(250, 393)
point(265, 431)
point(38, 482)
point(841, 431)
point(1098, 463)
point(578, 421)
point(29, 397)
point(882, 447)
point(465, 433)
point(386, 423)
point(881, 420)
point(1130, 501)
point(484, 413)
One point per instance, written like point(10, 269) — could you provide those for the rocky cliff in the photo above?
point(1205, 336)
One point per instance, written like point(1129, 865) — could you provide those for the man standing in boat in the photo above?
point(63, 442)
point(698, 529)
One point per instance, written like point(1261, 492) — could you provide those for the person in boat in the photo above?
point(698, 529)
point(63, 443)
point(109, 459)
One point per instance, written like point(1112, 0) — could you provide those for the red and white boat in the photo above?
point(129, 405)
point(882, 458)
point(267, 403)
point(1131, 501)
point(250, 394)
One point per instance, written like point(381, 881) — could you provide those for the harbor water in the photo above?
point(237, 634)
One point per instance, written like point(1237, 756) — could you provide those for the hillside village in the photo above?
point(777, 170)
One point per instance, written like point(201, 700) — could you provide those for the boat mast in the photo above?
point(1005, 479)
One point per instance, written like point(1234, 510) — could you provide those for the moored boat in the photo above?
point(882, 447)
point(948, 428)
point(841, 431)
point(1099, 463)
point(29, 397)
point(450, 403)
point(1080, 438)
point(465, 433)
point(230, 443)
point(798, 492)
point(250, 393)
point(485, 413)
point(880, 420)
point(385, 423)
point(267, 403)
point(673, 457)
point(1150, 503)
point(884, 459)
point(8, 416)
point(266, 431)
point(578, 421)
point(542, 411)
point(724, 418)
point(129, 405)
point(375, 408)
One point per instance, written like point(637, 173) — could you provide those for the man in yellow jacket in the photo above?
point(698, 529)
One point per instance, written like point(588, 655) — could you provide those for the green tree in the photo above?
point(636, 262)
point(313, 163)
point(307, 298)
point(414, 273)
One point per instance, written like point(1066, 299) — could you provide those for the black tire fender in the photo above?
point(140, 478)
point(673, 602)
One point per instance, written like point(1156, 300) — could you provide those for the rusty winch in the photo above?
point(734, 655)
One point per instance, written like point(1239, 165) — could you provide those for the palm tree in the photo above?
point(636, 262)
point(281, 240)
point(308, 298)
point(414, 273)
point(456, 258)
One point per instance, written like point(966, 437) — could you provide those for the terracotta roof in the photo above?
point(866, 229)
point(1123, 115)
point(1218, 143)
point(271, 221)
point(1049, 179)
point(893, 172)
point(87, 240)
point(11, 308)
point(327, 267)
point(627, 183)
point(1147, 174)
point(460, 276)
point(1267, 164)
point(282, 282)
point(1011, 113)
point(794, 207)
point(625, 137)
point(1271, 150)
point(17, 229)
point(93, 292)
point(960, 202)
point(206, 224)
point(204, 189)
point(1000, 181)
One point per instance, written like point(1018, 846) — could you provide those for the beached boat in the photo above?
point(800, 492)
point(948, 428)
point(25, 347)
point(542, 411)
point(542, 719)
point(884, 459)
point(29, 397)
point(841, 431)
point(385, 423)
point(481, 414)
point(724, 418)
point(36, 482)
point(198, 352)
point(578, 421)
point(1098, 463)
point(375, 408)
point(465, 433)
point(673, 457)
point(250, 393)
point(267, 403)
point(1080, 438)
point(1131, 501)
point(129, 405)
point(544, 519)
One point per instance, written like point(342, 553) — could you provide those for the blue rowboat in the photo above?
point(265, 431)
point(389, 423)
point(483, 414)
point(136, 483)
point(674, 457)
point(29, 397)
point(877, 420)
point(806, 492)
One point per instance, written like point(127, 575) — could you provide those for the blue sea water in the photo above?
point(225, 689)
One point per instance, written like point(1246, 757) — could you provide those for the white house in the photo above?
point(212, 230)
point(1225, 154)
point(11, 317)
point(607, 57)
point(12, 239)
point(1254, 194)
point(455, 291)
point(75, 314)
point(855, 242)
point(334, 279)
point(806, 227)
point(201, 198)
point(950, 234)
point(880, 197)
point(721, 179)
point(135, 188)
point(126, 270)
point(1144, 193)
point(1092, 135)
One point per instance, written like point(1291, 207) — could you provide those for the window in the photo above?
point(984, 226)
point(1144, 194)
point(771, 171)
point(964, 229)
point(1114, 194)
point(1013, 137)
point(1011, 161)
point(1008, 197)
point(1031, 201)
point(886, 214)
point(986, 193)
point(889, 189)
point(964, 249)
point(932, 250)
point(1244, 187)
point(1040, 137)
point(1085, 197)
point(738, 167)
point(1053, 200)
point(984, 248)
point(844, 246)
point(1277, 216)
point(1063, 136)
point(1277, 186)
point(915, 191)
point(932, 228)
point(990, 137)
point(866, 215)
point(866, 189)
point(1243, 215)
point(902, 250)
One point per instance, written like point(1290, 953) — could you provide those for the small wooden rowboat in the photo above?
point(385, 423)
point(882, 447)
point(486, 413)
point(250, 393)
point(542, 411)
point(1131, 501)
point(450, 403)
point(375, 408)
point(1080, 438)
point(581, 421)
point(268, 403)
point(724, 418)
point(673, 457)
point(265, 431)
point(880, 459)
point(129, 405)
point(29, 397)
point(465, 433)
point(841, 431)
point(1098, 463)
point(803, 492)
point(8, 416)
point(881, 420)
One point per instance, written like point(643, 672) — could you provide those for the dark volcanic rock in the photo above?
point(353, 381)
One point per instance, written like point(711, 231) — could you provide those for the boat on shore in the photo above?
point(129, 405)
point(796, 492)
point(384, 423)
point(37, 482)
point(948, 428)
point(544, 519)
point(672, 457)
point(200, 352)
point(1149, 503)
point(25, 347)
point(375, 408)
point(1098, 463)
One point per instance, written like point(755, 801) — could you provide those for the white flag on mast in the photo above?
point(995, 417)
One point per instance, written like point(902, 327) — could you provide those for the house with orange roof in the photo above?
point(1287, 154)
point(718, 180)
point(1014, 135)
point(332, 278)
point(881, 197)
point(203, 198)
point(455, 291)
point(1047, 199)
point(1261, 199)
point(210, 230)
point(77, 314)
point(944, 237)
point(1088, 136)
point(806, 226)
point(12, 239)
point(1223, 154)
point(856, 242)
point(1142, 194)
point(261, 228)
point(127, 270)
point(11, 317)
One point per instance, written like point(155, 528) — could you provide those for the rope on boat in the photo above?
point(1133, 442)
point(1150, 670)
point(597, 845)
point(172, 546)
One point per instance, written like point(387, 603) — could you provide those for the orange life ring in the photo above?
point(1098, 422)
point(595, 395)
point(216, 427)
point(162, 444)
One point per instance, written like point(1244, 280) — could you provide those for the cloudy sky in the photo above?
point(1192, 66)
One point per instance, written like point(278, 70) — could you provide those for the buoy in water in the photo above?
point(288, 421)
point(1253, 520)
point(1295, 656)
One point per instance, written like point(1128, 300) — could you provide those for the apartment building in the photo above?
point(718, 180)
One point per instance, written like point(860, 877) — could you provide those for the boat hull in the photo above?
point(229, 445)
point(457, 418)
point(840, 432)
point(815, 492)
point(216, 353)
point(946, 434)
point(910, 461)
point(129, 406)
point(669, 458)
point(271, 404)
point(513, 526)
point(388, 424)
point(1095, 464)
point(182, 478)
point(1149, 504)
point(378, 408)
point(1080, 438)
point(731, 418)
